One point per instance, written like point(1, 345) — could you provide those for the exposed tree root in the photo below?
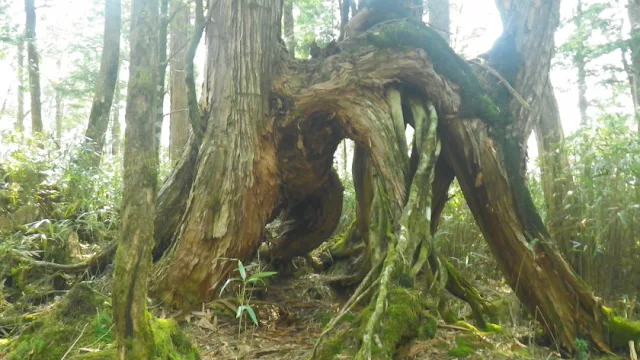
point(97, 260)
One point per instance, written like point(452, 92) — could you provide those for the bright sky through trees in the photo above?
point(62, 24)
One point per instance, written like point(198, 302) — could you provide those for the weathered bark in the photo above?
point(105, 87)
point(439, 17)
point(633, 11)
point(179, 116)
point(235, 188)
point(541, 279)
point(20, 113)
point(289, 29)
point(523, 57)
point(162, 71)
point(133, 258)
point(34, 67)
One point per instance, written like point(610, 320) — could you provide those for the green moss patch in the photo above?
point(171, 343)
point(74, 318)
point(85, 316)
point(446, 62)
point(621, 331)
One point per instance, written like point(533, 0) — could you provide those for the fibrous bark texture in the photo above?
point(34, 67)
point(133, 258)
point(179, 116)
point(236, 178)
point(106, 85)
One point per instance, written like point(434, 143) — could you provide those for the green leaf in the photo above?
point(229, 281)
point(249, 311)
point(241, 269)
point(262, 275)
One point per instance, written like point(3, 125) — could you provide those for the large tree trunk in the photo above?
point(20, 114)
point(179, 116)
point(133, 258)
point(34, 67)
point(266, 153)
point(236, 186)
point(106, 85)
point(523, 57)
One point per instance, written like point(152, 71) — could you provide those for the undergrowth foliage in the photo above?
point(49, 205)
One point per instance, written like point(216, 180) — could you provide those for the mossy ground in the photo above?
point(84, 317)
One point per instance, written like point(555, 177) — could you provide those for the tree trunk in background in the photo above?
point(59, 115)
point(634, 43)
point(345, 157)
point(580, 62)
point(289, 29)
point(179, 116)
point(34, 67)
point(116, 143)
point(522, 56)
point(133, 258)
point(235, 186)
point(20, 114)
point(162, 71)
point(439, 17)
point(105, 87)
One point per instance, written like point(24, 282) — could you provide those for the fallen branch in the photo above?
point(79, 267)
point(14, 321)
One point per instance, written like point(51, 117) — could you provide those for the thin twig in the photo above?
point(75, 342)
point(503, 81)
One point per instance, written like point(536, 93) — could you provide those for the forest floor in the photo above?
point(294, 310)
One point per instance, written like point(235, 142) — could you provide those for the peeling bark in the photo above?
point(236, 177)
